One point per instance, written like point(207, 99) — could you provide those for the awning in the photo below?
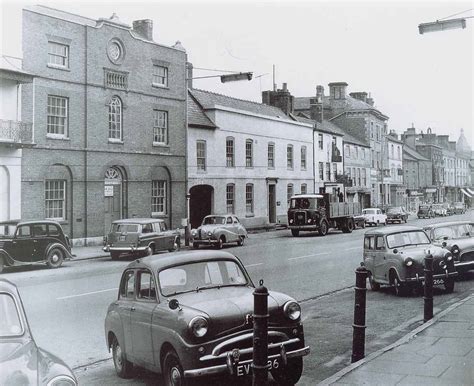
point(470, 191)
point(464, 191)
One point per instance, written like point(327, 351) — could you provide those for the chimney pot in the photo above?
point(285, 87)
point(144, 28)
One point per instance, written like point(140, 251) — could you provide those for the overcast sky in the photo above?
point(375, 47)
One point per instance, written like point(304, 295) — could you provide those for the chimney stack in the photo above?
point(280, 98)
point(316, 105)
point(144, 28)
point(189, 75)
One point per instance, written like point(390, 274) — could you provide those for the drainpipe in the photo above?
point(85, 136)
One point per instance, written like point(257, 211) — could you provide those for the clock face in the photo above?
point(114, 51)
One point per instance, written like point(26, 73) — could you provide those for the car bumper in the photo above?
point(206, 241)
point(108, 248)
point(445, 275)
point(310, 227)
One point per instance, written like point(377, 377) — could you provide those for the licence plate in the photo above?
point(246, 369)
point(438, 281)
point(122, 238)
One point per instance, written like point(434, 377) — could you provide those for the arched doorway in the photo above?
point(114, 196)
point(200, 203)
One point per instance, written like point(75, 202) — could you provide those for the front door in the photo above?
point(272, 203)
point(113, 205)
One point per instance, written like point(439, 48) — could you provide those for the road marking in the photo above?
point(253, 265)
point(303, 257)
point(350, 249)
point(86, 293)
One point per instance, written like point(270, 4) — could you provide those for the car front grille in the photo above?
point(300, 218)
point(467, 256)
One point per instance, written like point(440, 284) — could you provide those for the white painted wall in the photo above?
point(324, 155)
point(9, 108)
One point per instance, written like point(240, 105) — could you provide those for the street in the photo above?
point(66, 307)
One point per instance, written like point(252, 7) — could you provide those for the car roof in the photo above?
point(137, 220)
point(444, 224)
point(33, 222)
point(392, 230)
point(158, 262)
point(7, 286)
point(307, 196)
point(220, 215)
point(370, 208)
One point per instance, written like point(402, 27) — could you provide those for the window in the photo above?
point(320, 141)
point(362, 155)
point(271, 155)
point(303, 157)
point(115, 119)
point(230, 198)
point(398, 152)
point(334, 141)
point(58, 55)
point(356, 152)
point(229, 152)
point(373, 158)
point(146, 286)
point(354, 176)
point(334, 171)
point(289, 156)
point(160, 76)
point(347, 151)
point(160, 127)
point(248, 153)
point(127, 288)
point(158, 197)
point(328, 171)
point(57, 116)
point(358, 176)
point(55, 199)
point(289, 192)
point(321, 171)
point(379, 243)
point(391, 151)
point(249, 198)
point(364, 177)
point(201, 155)
point(371, 129)
point(304, 189)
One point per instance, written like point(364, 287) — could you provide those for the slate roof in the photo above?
point(355, 141)
point(414, 154)
point(196, 116)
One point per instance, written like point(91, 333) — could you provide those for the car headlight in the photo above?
point(292, 310)
point(409, 262)
point(448, 257)
point(62, 380)
point(193, 232)
point(291, 221)
point(209, 233)
point(455, 250)
point(198, 325)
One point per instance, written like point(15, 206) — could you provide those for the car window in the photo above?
point(11, 323)
point(146, 285)
point(127, 289)
point(23, 231)
point(369, 242)
point(452, 232)
point(53, 230)
point(229, 220)
point(156, 227)
point(147, 228)
point(163, 226)
point(214, 220)
point(379, 243)
point(236, 220)
point(407, 238)
point(212, 273)
point(125, 228)
point(40, 230)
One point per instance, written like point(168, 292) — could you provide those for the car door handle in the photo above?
point(35, 241)
point(132, 309)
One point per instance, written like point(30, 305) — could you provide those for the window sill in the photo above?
point(247, 215)
point(57, 137)
point(271, 168)
point(116, 141)
point(159, 215)
point(158, 85)
point(200, 171)
point(59, 67)
point(160, 144)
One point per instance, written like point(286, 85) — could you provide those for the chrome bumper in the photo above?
point(445, 275)
point(304, 227)
point(124, 249)
point(205, 241)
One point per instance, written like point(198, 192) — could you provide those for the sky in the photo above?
point(421, 80)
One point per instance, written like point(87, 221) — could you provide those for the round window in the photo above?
point(115, 51)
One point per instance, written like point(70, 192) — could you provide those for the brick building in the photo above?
point(108, 108)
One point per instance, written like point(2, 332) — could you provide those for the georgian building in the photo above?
point(393, 171)
point(417, 177)
point(109, 110)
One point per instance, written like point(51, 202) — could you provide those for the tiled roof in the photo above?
point(61, 15)
point(330, 127)
point(355, 141)
point(414, 154)
point(196, 116)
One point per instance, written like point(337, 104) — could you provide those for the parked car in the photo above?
point(440, 210)
point(140, 237)
point(218, 230)
point(193, 318)
point(395, 256)
point(396, 214)
point(359, 221)
point(458, 238)
point(449, 209)
point(425, 211)
point(459, 208)
point(374, 216)
point(22, 362)
point(29, 242)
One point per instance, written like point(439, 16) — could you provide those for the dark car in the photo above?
point(396, 214)
point(217, 230)
point(22, 362)
point(458, 238)
point(425, 211)
point(140, 237)
point(25, 243)
point(395, 256)
point(192, 317)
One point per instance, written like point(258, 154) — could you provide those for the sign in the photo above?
point(278, 203)
point(430, 190)
point(108, 190)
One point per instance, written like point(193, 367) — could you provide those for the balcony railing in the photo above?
point(15, 132)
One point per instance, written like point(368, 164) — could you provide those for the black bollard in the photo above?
point(428, 290)
point(260, 336)
point(358, 337)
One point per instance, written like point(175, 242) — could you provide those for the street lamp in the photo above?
point(442, 25)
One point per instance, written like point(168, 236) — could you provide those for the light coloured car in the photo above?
point(217, 230)
point(374, 216)
point(440, 210)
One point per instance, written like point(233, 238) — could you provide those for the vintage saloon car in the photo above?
point(395, 256)
point(459, 208)
point(440, 210)
point(25, 243)
point(140, 237)
point(189, 315)
point(396, 214)
point(217, 230)
point(458, 238)
point(374, 216)
point(22, 362)
point(425, 211)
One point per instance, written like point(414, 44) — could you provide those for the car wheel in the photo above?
point(2, 264)
point(363, 224)
point(173, 373)
point(406, 219)
point(241, 241)
point(323, 228)
point(123, 367)
point(195, 245)
point(114, 255)
point(449, 285)
point(55, 258)
point(374, 286)
point(150, 250)
point(295, 232)
point(220, 242)
point(176, 245)
point(289, 374)
point(399, 288)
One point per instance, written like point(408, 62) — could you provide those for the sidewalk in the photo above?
point(439, 352)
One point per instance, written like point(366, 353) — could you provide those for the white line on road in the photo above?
point(86, 293)
point(253, 265)
point(350, 249)
point(303, 257)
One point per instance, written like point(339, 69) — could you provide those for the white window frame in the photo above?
point(303, 157)
point(115, 119)
point(320, 141)
point(289, 157)
point(249, 153)
point(160, 79)
point(201, 155)
point(249, 200)
point(289, 192)
point(271, 155)
point(158, 197)
point(304, 188)
point(56, 58)
point(55, 199)
point(230, 152)
point(160, 127)
point(57, 117)
point(230, 198)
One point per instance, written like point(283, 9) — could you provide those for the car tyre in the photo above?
point(2, 264)
point(289, 374)
point(323, 228)
point(114, 255)
point(449, 286)
point(176, 245)
point(374, 286)
point(400, 289)
point(55, 258)
point(173, 372)
point(220, 242)
point(241, 241)
point(295, 232)
point(123, 367)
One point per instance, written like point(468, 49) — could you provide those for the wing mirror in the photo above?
point(395, 251)
point(173, 304)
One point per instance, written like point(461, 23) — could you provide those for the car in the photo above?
point(29, 242)
point(359, 221)
point(396, 214)
point(192, 317)
point(394, 256)
point(440, 210)
point(425, 211)
point(216, 230)
point(140, 237)
point(459, 208)
point(458, 238)
point(374, 216)
point(22, 362)
point(449, 209)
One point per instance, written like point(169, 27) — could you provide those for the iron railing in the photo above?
point(15, 132)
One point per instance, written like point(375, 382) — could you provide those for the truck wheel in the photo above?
point(295, 232)
point(2, 264)
point(323, 228)
point(350, 225)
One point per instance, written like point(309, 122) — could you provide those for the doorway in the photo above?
point(113, 197)
point(200, 203)
point(272, 203)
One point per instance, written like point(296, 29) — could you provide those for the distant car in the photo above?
point(425, 211)
point(449, 209)
point(140, 237)
point(458, 238)
point(374, 216)
point(22, 362)
point(217, 230)
point(396, 214)
point(394, 256)
point(359, 221)
point(193, 318)
point(459, 208)
point(440, 210)
point(28, 242)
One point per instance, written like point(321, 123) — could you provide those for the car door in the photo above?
point(124, 306)
point(158, 236)
point(141, 317)
point(40, 241)
point(22, 244)
point(231, 228)
point(369, 253)
point(239, 227)
point(380, 259)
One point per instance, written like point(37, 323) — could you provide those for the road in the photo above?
point(66, 307)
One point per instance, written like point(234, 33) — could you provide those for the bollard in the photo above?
point(358, 337)
point(260, 336)
point(428, 290)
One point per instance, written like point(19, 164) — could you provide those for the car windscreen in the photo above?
point(453, 232)
point(11, 323)
point(394, 210)
point(404, 239)
point(125, 228)
point(303, 203)
point(200, 276)
point(214, 220)
point(369, 211)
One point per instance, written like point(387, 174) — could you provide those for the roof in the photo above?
point(19, 222)
point(348, 138)
point(393, 139)
point(392, 229)
point(444, 224)
point(414, 154)
point(330, 127)
point(196, 116)
point(137, 220)
point(11, 68)
point(53, 12)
